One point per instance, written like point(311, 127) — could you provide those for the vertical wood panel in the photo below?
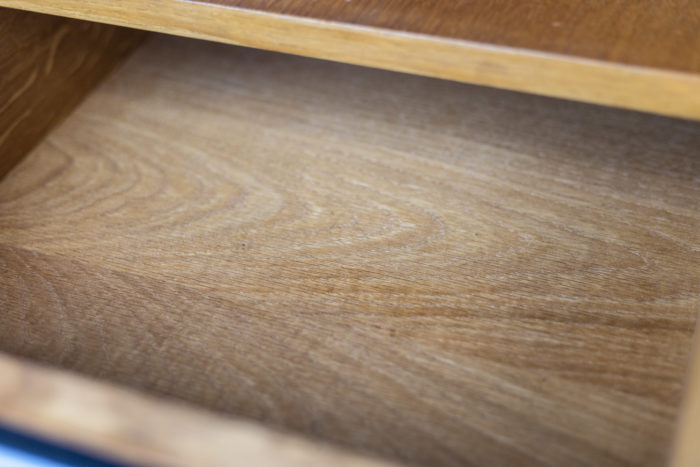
point(47, 65)
point(687, 446)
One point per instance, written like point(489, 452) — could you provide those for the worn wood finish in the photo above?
point(47, 65)
point(686, 452)
point(641, 54)
point(140, 430)
point(427, 270)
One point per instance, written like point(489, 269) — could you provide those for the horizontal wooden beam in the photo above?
point(638, 55)
point(142, 430)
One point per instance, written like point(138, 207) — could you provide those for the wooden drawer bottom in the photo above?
point(431, 272)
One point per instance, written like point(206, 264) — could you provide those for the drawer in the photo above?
point(413, 269)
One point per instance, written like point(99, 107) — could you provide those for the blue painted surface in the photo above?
point(21, 450)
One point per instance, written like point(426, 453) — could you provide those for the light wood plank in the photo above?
point(427, 270)
point(47, 65)
point(642, 54)
point(639, 32)
point(140, 430)
point(686, 452)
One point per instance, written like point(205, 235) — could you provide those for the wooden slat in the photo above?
point(686, 452)
point(639, 32)
point(431, 271)
point(47, 65)
point(637, 54)
point(140, 430)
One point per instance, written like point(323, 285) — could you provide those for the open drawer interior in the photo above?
point(431, 272)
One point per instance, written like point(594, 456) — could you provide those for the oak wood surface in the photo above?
point(426, 270)
point(130, 427)
point(686, 451)
point(47, 65)
point(640, 32)
point(641, 54)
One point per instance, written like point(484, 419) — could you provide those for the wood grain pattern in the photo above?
point(130, 427)
point(47, 65)
point(686, 452)
point(426, 270)
point(642, 54)
point(640, 32)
